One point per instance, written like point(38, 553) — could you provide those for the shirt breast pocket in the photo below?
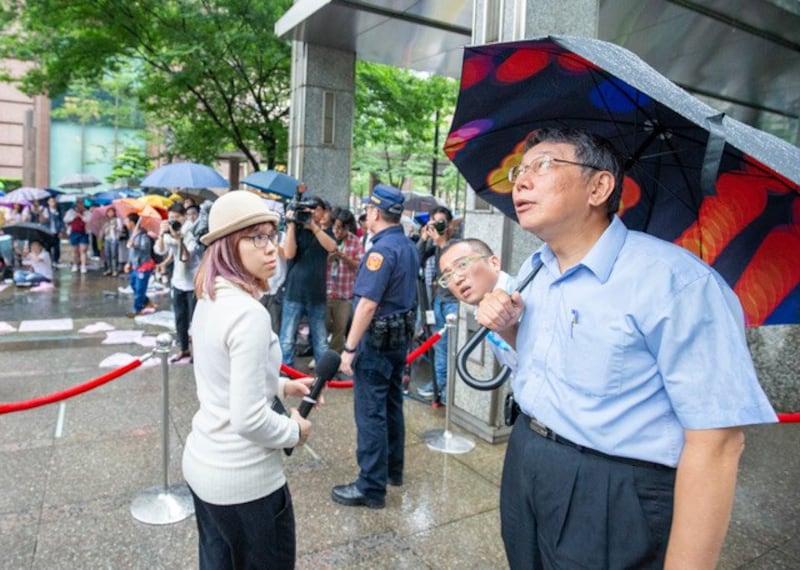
point(591, 358)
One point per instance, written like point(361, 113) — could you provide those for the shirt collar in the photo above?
point(387, 231)
point(600, 259)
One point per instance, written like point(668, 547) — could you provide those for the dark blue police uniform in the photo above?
point(386, 275)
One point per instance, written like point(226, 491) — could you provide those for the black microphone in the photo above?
point(327, 366)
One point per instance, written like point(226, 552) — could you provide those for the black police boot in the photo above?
point(350, 496)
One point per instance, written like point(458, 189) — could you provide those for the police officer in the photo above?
point(384, 300)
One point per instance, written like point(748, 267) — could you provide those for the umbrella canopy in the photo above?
point(105, 198)
point(79, 180)
point(31, 232)
point(25, 194)
point(274, 182)
point(185, 175)
point(149, 216)
point(417, 202)
point(726, 191)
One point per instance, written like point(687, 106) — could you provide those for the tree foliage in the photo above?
point(397, 113)
point(130, 166)
point(210, 72)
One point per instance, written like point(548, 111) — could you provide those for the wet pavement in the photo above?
point(68, 473)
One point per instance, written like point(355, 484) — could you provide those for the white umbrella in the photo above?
point(79, 180)
point(25, 194)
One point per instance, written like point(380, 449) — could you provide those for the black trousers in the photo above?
point(183, 306)
point(255, 535)
point(565, 508)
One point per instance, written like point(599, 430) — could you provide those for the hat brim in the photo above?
point(251, 220)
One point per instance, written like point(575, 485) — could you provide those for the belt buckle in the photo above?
point(539, 428)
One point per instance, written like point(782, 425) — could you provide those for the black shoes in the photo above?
point(396, 481)
point(350, 496)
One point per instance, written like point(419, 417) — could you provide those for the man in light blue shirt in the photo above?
point(634, 379)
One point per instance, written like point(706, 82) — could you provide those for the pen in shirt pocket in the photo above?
point(573, 322)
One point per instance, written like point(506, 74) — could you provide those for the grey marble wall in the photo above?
point(325, 168)
point(776, 355)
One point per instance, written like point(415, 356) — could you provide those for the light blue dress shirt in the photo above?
point(632, 346)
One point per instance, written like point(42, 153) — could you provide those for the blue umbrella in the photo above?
point(273, 181)
point(105, 198)
point(185, 175)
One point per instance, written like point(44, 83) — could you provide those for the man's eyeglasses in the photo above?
point(540, 165)
point(459, 268)
point(260, 240)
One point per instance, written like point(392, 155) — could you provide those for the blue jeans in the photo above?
point(292, 312)
point(258, 534)
point(380, 426)
point(23, 277)
point(441, 310)
point(139, 281)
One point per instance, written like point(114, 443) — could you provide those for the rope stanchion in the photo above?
point(789, 418)
point(165, 503)
point(74, 390)
point(444, 440)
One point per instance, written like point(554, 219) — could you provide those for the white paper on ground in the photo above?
point(96, 327)
point(122, 337)
point(43, 325)
point(121, 359)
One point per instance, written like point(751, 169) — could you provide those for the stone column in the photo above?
point(507, 20)
point(320, 135)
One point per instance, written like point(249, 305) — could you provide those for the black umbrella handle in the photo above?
point(474, 341)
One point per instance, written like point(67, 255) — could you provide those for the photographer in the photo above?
point(176, 240)
point(434, 237)
point(306, 248)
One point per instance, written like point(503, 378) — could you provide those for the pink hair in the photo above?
point(222, 259)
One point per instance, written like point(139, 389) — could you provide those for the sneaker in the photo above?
point(74, 268)
point(106, 273)
point(312, 364)
point(147, 311)
point(128, 290)
point(426, 390)
point(83, 269)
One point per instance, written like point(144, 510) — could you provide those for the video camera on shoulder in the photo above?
point(303, 209)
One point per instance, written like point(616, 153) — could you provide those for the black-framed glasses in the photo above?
point(540, 165)
point(460, 267)
point(260, 241)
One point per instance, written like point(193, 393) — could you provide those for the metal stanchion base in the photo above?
point(159, 505)
point(447, 442)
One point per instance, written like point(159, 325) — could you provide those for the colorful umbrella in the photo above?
point(726, 191)
point(185, 175)
point(149, 216)
point(273, 182)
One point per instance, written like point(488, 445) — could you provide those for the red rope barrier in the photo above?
point(412, 356)
point(69, 392)
point(421, 349)
point(789, 418)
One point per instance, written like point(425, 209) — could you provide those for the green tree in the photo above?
point(396, 119)
point(210, 70)
point(130, 166)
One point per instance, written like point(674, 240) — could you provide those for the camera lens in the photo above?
point(175, 225)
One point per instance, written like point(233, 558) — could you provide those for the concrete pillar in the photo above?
point(323, 85)
point(493, 21)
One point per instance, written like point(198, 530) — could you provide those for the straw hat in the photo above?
point(234, 211)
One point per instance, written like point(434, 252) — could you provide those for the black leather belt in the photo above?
point(544, 431)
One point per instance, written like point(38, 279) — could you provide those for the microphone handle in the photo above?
point(310, 400)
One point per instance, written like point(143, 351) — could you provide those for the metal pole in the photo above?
point(163, 504)
point(163, 342)
point(444, 440)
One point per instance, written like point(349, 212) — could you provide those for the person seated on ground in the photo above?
point(6, 272)
point(37, 259)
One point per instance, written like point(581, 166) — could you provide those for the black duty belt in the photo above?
point(544, 431)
